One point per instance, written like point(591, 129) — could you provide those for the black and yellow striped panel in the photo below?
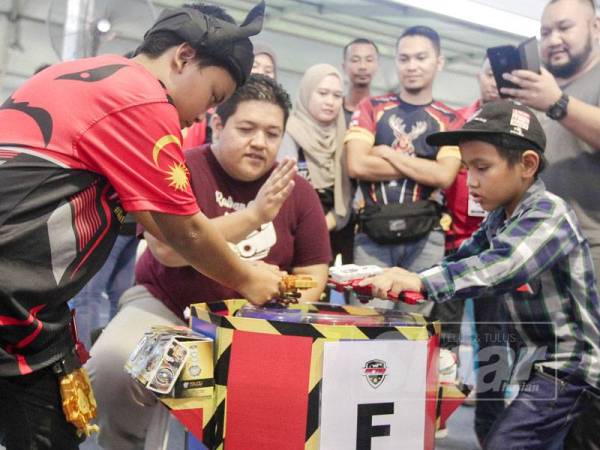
point(214, 428)
point(222, 314)
point(213, 313)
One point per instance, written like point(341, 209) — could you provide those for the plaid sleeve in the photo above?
point(473, 245)
point(524, 249)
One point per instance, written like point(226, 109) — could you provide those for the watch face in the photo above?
point(554, 112)
point(559, 109)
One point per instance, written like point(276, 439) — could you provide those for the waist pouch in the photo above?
point(399, 222)
point(327, 199)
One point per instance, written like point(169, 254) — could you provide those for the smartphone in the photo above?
point(507, 58)
point(530, 55)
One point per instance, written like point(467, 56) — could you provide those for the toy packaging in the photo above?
point(173, 361)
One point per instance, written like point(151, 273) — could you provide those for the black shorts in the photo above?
point(31, 415)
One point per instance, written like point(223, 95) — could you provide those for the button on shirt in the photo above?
point(538, 261)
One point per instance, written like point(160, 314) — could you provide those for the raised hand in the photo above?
point(536, 90)
point(274, 191)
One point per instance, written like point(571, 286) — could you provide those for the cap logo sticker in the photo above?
point(520, 119)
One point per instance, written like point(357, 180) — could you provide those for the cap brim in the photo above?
point(454, 137)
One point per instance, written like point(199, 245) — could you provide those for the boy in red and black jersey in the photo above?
point(81, 143)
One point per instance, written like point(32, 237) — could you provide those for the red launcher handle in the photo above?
point(408, 297)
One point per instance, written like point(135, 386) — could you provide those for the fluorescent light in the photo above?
point(479, 14)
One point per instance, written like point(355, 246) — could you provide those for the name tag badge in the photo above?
point(475, 209)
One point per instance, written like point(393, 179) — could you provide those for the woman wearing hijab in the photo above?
point(265, 61)
point(314, 137)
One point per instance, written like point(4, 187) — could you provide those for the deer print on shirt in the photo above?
point(403, 141)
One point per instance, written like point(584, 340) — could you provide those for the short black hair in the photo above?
point(157, 43)
point(360, 41)
point(258, 87)
point(426, 32)
point(510, 147)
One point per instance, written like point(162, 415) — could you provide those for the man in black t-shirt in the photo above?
point(361, 62)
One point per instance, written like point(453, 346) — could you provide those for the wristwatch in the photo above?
point(558, 111)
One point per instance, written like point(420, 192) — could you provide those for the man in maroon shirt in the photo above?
point(267, 214)
point(82, 142)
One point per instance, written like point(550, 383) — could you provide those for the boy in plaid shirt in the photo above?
point(530, 252)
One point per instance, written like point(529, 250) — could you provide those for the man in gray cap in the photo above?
point(81, 143)
point(568, 91)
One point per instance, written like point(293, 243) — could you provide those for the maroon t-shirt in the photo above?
point(297, 237)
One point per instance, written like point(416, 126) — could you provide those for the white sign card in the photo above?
point(373, 395)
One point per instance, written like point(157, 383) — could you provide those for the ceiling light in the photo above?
point(479, 14)
point(103, 25)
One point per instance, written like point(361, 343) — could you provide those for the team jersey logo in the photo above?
point(93, 75)
point(177, 173)
point(178, 176)
point(375, 371)
point(40, 116)
point(403, 140)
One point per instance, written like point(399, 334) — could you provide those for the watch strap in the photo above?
point(559, 109)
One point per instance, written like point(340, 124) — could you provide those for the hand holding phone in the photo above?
point(507, 58)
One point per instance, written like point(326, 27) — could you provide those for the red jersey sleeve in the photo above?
point(363, 125)
point(457, 123)
point(139, 150)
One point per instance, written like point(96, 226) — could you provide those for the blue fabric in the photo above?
point(492, 360)
point(540, 416)
point(414, 256)
point(92, 310)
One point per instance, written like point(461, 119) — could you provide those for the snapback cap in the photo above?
point(498, 117)
point(225, 41)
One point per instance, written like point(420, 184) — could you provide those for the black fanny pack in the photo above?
point(327, 199)
point(399, 222)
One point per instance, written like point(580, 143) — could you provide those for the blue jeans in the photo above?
point(114, 278)
point(541, 415)
point(493, 334)
point(414, 256)
point(584, 432)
